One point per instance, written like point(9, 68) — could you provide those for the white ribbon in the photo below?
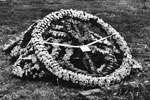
point(72, 46)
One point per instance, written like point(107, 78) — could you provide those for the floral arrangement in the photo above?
point(66, 44)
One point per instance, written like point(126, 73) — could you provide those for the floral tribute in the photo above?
point(74, 46)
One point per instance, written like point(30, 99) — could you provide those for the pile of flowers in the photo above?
point(72, 45)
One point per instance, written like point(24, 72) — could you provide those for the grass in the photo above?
point(126, 17)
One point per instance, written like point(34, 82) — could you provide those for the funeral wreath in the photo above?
point(75, 46)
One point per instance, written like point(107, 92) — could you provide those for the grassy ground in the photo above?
point(125, 16)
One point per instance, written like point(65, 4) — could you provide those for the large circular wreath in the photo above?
point(65, 44)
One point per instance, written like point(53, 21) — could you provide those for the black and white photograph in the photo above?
point(74, 49)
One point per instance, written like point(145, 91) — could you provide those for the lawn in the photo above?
point(130, 19)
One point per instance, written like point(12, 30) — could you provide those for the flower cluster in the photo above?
point(51, 58)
